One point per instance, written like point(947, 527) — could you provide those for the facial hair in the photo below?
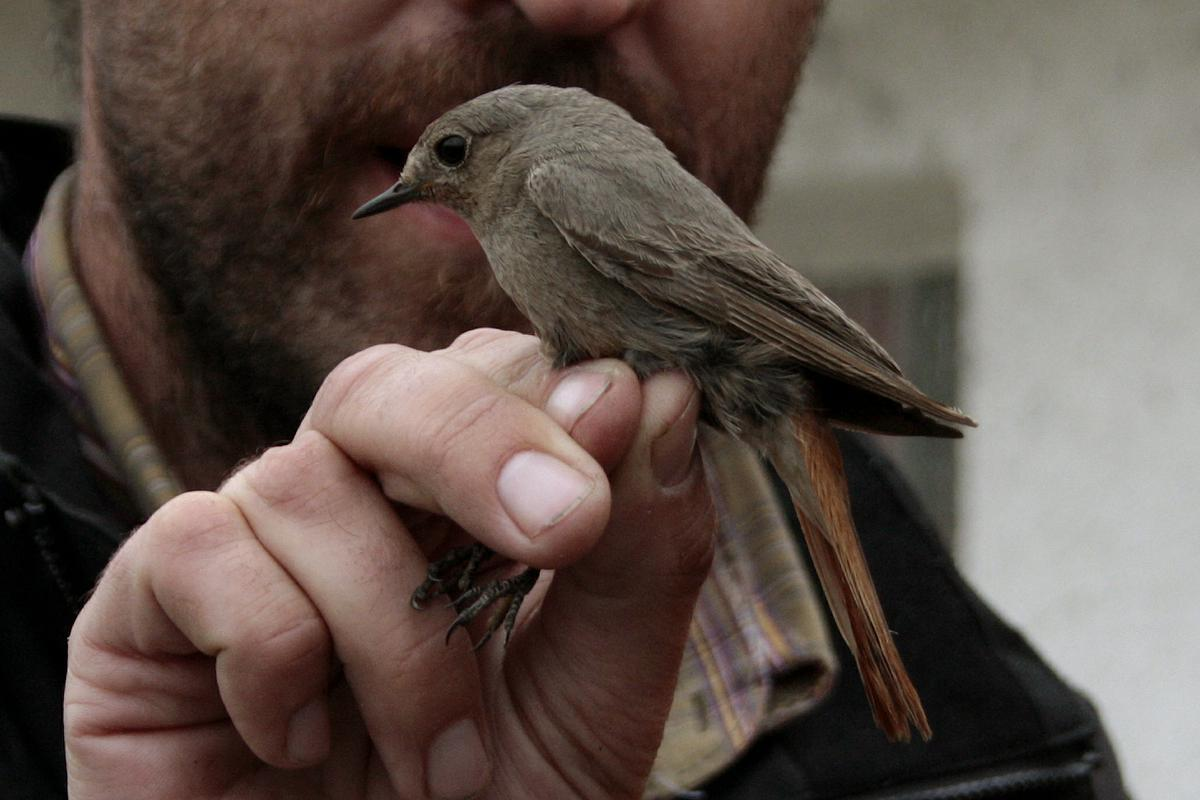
point(236, 187)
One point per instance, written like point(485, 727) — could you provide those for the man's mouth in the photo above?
point(435, 220)
point(393, 156)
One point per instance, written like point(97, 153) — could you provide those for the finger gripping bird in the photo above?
point(611, 248)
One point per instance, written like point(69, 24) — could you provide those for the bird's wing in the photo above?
point(675, 243)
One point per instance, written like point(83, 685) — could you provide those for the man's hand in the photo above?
point(258, 641)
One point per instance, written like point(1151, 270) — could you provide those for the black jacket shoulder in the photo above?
point(55, 534)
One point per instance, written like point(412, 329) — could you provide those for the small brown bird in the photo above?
point(611, 248)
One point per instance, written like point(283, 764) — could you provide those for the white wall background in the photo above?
point(28, 82)
point(1070, 131)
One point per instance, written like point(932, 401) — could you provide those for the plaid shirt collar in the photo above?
point(758, 652)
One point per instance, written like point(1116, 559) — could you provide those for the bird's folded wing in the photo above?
point(679, 246)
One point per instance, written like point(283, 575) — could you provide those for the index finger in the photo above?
point(461, 433)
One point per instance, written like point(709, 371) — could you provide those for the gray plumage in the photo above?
point(611, 248)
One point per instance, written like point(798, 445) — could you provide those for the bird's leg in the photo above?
point(510, 592)
point(454, 572)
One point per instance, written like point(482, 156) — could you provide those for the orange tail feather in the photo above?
point(810, 462)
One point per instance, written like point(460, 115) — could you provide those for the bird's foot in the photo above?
point(452, 575)
point(510, 592)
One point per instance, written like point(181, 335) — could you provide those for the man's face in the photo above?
point(243, 135)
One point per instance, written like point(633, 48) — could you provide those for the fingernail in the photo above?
point(671, 454)
point(538, 490)
point(457, 765)
point(575, 394)
point(308, 733)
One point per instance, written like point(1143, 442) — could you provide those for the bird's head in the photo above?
point(463, 149)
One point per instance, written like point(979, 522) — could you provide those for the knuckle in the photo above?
point(283, 635)
point(485, 338)
point(511, 359)
point(446, 436)
point(189, 526)
point(296, 476)
point(355, 377)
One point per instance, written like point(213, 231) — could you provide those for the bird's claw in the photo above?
point(455, 570)
point(510, 592)
point(454, 575)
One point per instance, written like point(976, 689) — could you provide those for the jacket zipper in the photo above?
point(1013, 782)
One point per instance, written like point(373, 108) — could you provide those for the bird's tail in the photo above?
point(810, 463)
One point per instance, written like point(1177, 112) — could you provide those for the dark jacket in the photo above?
point(56, 534)
point(1005, 725)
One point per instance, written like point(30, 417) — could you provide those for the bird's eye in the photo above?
point(451, 150)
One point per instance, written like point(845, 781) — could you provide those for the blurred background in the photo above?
point(1007, 194)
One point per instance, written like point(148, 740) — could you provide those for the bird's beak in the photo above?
point(397, 195)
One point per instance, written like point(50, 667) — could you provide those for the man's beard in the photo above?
point(237, 188)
